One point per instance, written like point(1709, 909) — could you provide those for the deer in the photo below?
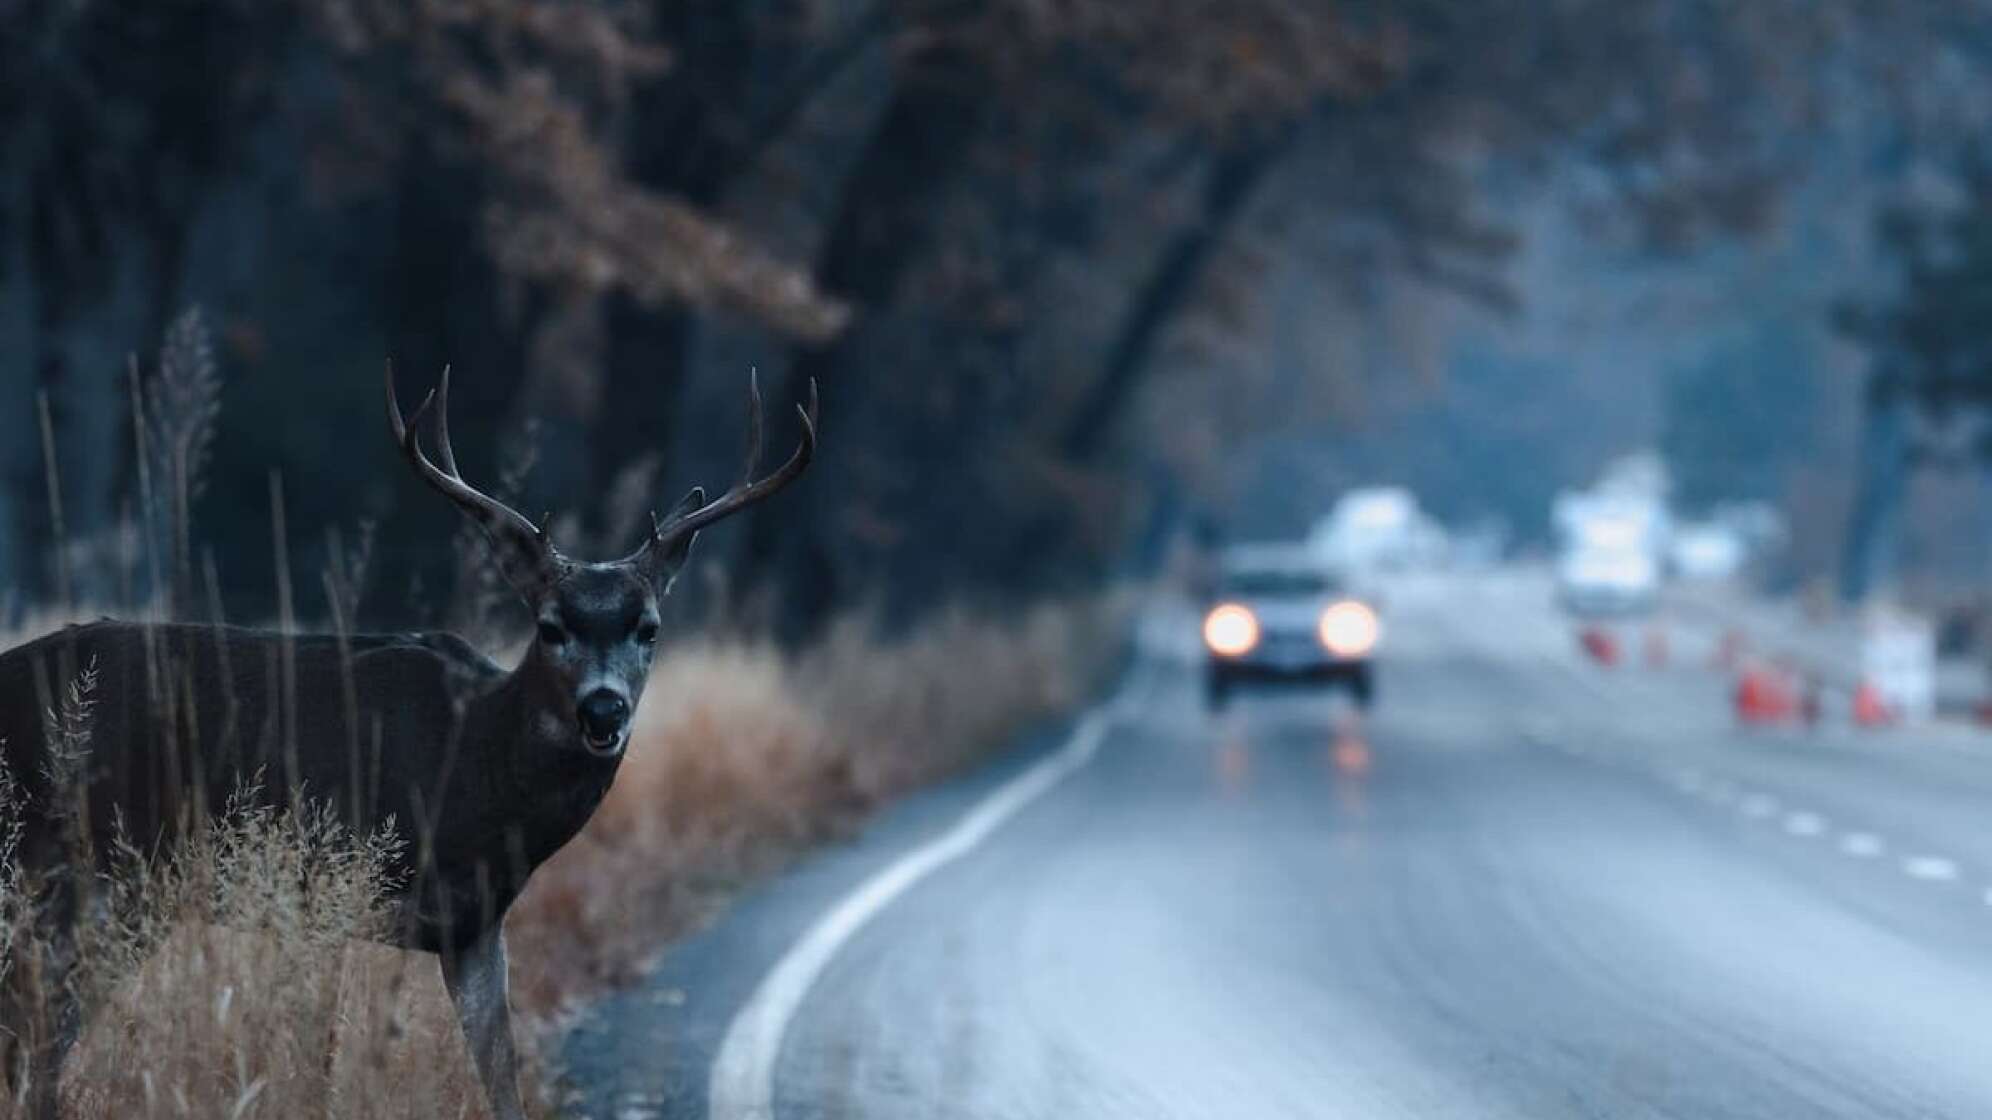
point(492, 769)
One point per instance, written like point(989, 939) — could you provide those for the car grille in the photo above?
point(1290, 645)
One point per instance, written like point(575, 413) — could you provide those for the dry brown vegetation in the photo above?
point(237, 980)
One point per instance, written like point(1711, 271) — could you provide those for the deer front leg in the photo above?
point(40, 1016)
point(39, 1027)
point(478, 985)
point(65, 1023)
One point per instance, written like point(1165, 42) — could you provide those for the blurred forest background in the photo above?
point(1071, 273)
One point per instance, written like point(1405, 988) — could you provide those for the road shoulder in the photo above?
point(647, 1052)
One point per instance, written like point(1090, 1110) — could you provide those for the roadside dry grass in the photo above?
point(237, 982)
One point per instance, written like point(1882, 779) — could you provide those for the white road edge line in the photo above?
point(1865, 845)
point(743, 1071)
point(1930, 868)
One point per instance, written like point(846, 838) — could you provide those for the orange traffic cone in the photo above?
point(1871, 709)
point(1765, 696)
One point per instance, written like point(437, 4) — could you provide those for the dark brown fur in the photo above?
point(438, 740)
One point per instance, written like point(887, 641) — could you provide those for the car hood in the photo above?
point(1287, 614)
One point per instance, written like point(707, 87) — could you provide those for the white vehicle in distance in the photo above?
point(1707, 552)
point(1608, 559)
point(1601, 580)
point(1378, 529)
point(1282, 616)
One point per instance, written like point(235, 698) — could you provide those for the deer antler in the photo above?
point(748, 491)
point(670, 539)
point(524, 552)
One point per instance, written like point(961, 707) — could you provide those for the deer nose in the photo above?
point(603, 714)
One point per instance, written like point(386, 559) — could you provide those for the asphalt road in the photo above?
point(1524, 888)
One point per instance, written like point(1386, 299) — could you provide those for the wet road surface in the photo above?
point(1521, 888)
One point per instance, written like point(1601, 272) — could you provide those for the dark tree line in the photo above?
point(1929, 386)
point(986, 230)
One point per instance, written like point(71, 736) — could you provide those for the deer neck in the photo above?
point(525, 731)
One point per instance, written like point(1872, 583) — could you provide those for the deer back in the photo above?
point(175, 720)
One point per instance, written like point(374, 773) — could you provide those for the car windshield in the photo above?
point(1278, 582)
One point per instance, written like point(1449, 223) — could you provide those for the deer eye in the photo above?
point(646, 633)
point(551, 634)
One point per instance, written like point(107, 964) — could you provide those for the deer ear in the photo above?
point(664, 558)
point(529, 564)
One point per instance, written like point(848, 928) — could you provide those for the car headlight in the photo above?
point(1350, 629)
point(1230, 630)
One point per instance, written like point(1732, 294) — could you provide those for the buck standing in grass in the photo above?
point(485, 773)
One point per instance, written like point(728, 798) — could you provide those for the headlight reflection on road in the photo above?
point(1232, 761)
point(1351, 755)
point(1347, 762)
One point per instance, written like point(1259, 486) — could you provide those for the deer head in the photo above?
point(596, 624)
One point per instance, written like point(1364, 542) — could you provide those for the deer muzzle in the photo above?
point(604, 718)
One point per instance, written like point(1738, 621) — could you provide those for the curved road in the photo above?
point(1524, 889)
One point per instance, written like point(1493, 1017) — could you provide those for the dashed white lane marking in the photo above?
point(1804, 824)
point(1758, 805)
point(1934, 869)
point(1863, 845)
point(743, 1072)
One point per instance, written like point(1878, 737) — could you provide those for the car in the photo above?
point(1607, 581)
point(1707, 552)
point(1379, 529)
point(1280, 615)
